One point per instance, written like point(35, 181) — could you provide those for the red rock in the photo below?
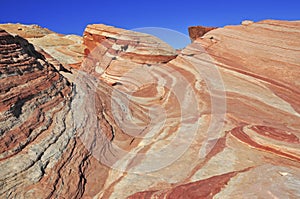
point(218, 119)
point(198, 31)
point(59, 50)
point(203, 189)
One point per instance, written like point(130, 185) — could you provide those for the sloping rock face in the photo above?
point(259, 65)
point(35, 100)
point(59, 50)
point(42, 154)
point(218, 119)
point(64, 49)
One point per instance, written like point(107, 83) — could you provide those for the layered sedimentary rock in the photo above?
point(111, 52)
point(42, 154)
point(35, 100)
point(63, 51)
point(218, 119)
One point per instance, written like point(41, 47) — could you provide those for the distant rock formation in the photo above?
point(134, 118)
point(198, 31)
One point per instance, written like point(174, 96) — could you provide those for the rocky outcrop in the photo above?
point(134, 46)
point(35, 100)
point(66, 50)
point(137, 119)
point(45, 151)
point(26, 31)
point(111, 52)
point(198, 31)
point(63, 51)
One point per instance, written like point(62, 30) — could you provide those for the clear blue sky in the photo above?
point(73, 16)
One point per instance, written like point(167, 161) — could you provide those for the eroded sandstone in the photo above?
point(60, 50)
point(198, 31)
point(138, 119)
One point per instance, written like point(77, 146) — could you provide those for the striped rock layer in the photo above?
point(138, 119)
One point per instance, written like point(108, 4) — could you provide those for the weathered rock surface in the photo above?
point(59, 50)
point(26, 31)
point(219, 119)
point(198, 31)
point(35, 100)
point(111, 52)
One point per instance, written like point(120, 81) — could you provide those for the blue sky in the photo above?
point(73, 16)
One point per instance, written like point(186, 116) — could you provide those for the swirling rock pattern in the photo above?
point(138, 119)
point(34, 101)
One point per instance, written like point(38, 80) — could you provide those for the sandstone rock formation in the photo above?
point(60, 50)
point(198, 31)
point(137, 119)
point(26, 31)
point(111, 52)
point(34, 101)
